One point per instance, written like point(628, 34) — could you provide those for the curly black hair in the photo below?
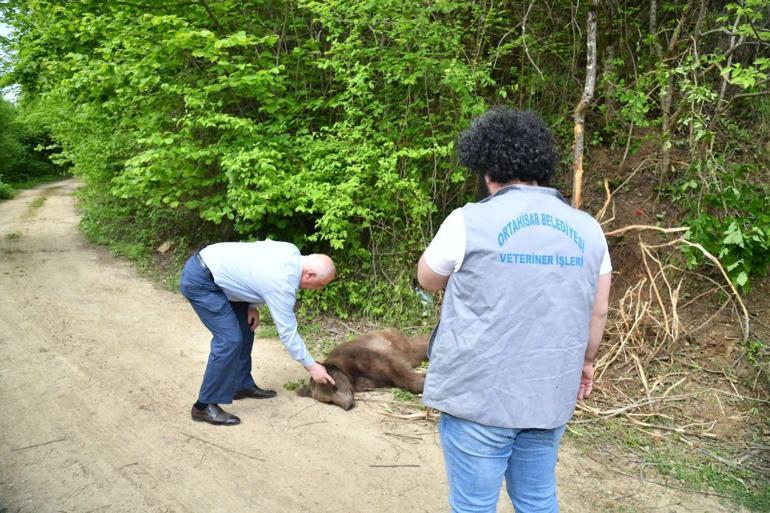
point(509, 144)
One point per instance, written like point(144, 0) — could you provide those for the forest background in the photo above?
point(331, 124)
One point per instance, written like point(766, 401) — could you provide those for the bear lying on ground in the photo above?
point(376, 359)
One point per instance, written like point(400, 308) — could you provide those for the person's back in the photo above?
point(249, 270)
point(527, 282)
point(514, 324)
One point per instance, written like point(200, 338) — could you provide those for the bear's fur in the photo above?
point(376, 359)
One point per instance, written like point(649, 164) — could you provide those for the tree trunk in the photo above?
point(579, 115)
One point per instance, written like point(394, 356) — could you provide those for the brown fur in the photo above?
point(377, 359)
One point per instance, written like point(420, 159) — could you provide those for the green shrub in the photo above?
point(26, 149)
point(729, 216)
point(11, 149)
point(6, 191)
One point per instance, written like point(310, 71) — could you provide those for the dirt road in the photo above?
point(99, 367)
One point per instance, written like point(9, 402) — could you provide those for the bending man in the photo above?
point(224, 282)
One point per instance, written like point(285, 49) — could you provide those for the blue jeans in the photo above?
point(477, 457)
point(229, 366)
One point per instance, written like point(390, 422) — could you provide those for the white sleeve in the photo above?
point(446, 251)
point(606, 266)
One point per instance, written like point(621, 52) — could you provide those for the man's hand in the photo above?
point(586, 380)
point(319, 375)
point(252, 317)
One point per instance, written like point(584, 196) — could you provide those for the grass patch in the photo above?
point(266, 331)
point(404, 396)
point(293, 386)
point(37, 202)
point(715, 472)
point(6, 191)
point(697, 465)
point(13, 236)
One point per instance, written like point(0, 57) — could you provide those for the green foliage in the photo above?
point(732, 221)
point(135, 231)
point(6, 191)
point(757, 351)
point(24, 147)
point(11, 149)
point(331, 124)
point(404, 396)
point(266, 330)
point(329, 127)
point(293, 386)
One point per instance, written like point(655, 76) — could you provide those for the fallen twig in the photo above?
point(412, 416)
point(715, 260)
point(404, 436)
point(638, 404)
point(301, 410)
point(221, 447)
point(309, 424)
point(720, 459)
point(608, 199)
point(741, 397)
point(672, 429)
point(40, 444)
point(620, 231)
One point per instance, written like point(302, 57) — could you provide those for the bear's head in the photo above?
point(341, 393)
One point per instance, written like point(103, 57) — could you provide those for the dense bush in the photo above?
point(25, 152)
point(331, 123)
point(732, 221)
point(6, 191)
point(11, 149)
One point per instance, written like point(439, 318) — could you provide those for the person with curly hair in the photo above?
point(527, 281)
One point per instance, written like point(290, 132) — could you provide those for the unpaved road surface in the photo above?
point(99, 368)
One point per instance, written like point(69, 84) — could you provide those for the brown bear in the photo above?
point(376, 359)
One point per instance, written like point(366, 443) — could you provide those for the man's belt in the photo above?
point(203, 265)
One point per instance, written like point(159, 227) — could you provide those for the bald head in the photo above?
point(317, 270)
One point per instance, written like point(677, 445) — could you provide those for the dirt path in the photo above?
point(98, 368)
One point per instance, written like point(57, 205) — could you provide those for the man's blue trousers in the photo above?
point(229, 366)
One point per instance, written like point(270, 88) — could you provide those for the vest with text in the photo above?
point(509, 348)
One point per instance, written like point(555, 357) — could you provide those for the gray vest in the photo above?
point(509, 348)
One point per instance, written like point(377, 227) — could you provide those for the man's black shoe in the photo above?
point(213, 414)
point(254, 393)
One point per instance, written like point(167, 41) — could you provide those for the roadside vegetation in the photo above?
point(26, 152)
point(331, 125)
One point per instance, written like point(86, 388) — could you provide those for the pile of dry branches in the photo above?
point(639, 374)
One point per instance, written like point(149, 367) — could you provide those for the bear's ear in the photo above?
point(303, 391)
